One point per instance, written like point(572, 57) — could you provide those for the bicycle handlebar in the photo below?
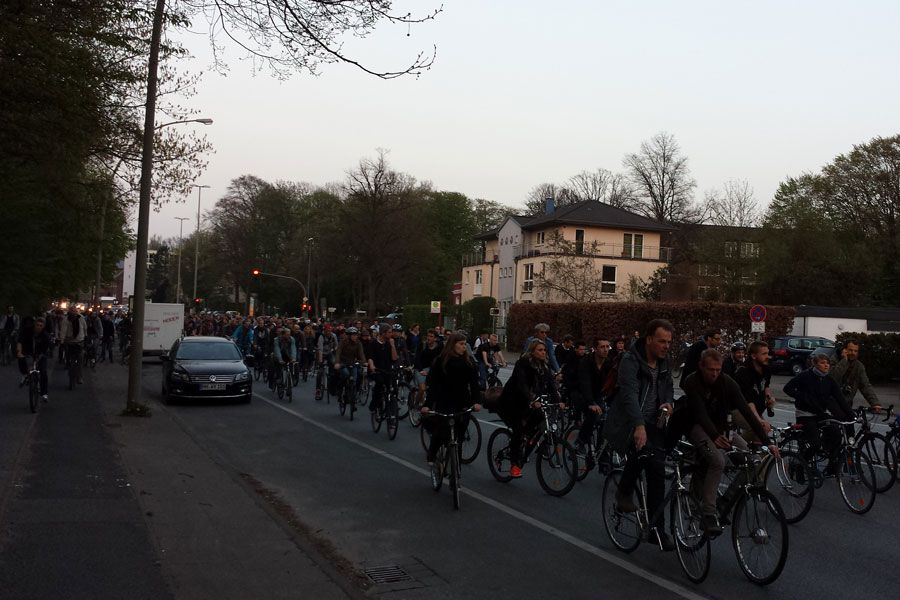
point(432, 413)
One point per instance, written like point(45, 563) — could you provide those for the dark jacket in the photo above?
point(817, 395)
point(753, 385)
point(425, 356)
point(525, 383)
point(633, 381)
point(851, 377)
point(452, 387)
point(590, 379)
point(692, 360)
point(710, 405)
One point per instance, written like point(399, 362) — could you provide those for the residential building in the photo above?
point(589, 251)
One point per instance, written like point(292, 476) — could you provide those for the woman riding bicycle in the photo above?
point(452, 387)
point(519, 409)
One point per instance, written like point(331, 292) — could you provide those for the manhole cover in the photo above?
point(387, 574)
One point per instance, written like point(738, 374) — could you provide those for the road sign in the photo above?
point(758, 327)
point(758, 313)
point(435, 307)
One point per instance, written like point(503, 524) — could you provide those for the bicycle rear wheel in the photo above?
point(623, 529)
point(498, 455)
point(691, 543)
point(856, 480)
point(581, 458)
point(759, 534)
point(883, 458)
point(342, 400)
point(556, 466)
point(470, 444)
point(288, 388)
point(790, 480)
point(376, 417)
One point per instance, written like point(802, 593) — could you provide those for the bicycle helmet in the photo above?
point(397, 327)
point(352, 330)
point(738, 346)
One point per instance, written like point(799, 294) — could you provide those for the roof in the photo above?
point(493, 233)
point(600, 214)
point(204, 338)
point(850, 312)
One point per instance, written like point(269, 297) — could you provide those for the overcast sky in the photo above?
point(528, 91)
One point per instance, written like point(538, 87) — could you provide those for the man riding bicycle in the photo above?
point(34, 342)
point(284, 350)
point(72, 334)
point(9, 329)
point(350, 351)
point(712, 396)
point(326, 344)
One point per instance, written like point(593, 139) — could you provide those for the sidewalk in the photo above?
point(104, 506)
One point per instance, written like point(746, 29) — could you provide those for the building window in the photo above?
point(528, 282)
point(633, 246)
point(707, 270)
point(608, 280)
point(749, 249)
point(478, 280)
point(579, 241)
point(539, 237)
point(731, 249)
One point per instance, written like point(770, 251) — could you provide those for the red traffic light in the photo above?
point(255, 272)
point(198, 300)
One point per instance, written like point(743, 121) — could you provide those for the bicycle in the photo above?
point(597, 452)
point(493, 377)
point(448, 455)
point(470, 444)
point(556, 465)
point(283, 387)
point(90, 353)
point(73, 363)
point(853, 470)
point(322, 374)
point(389, 408)
point(34, 385)
point(347, 393)
point(880, 452)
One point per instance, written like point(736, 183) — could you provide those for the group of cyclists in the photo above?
point(75, 337)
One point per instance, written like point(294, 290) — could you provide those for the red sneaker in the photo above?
point(515, 471)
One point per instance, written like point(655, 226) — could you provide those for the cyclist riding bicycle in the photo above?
point(34, 342)
point(425, 357)
point(326, 344)
point(452, 387)
point(383, 358)
point(519, 407)
point(817, 397)
point(712, 396)
point(243, 336)
point(589, 396)
point(72, 334)
point(284, 350)
point(350, 351)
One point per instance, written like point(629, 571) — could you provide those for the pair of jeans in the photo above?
point(652, 461)
point(351, 371)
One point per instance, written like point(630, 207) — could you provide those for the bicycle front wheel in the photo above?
point(470, 442)
point(499, 454)
point(581, 458)
point(556, 467)
point(404, 399)
point(33, 399)
point(691, 543)
point(623, 529)
point(437, 470)
point(856, 480)
point(790, 480)
point(392, 420)
point(883, 458)
point(759, 534)
point(453, 454)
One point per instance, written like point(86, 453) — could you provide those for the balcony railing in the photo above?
point(472, 259)
point(599, 250)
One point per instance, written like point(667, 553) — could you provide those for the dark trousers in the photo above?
point(42, 367)
point(440, 432)
point(379, 391)
point(523, 427)
point(652, 461)
point(827, 437)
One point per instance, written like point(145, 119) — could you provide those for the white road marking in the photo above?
point(604, 555)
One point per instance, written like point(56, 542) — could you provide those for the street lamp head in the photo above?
point(205, 121)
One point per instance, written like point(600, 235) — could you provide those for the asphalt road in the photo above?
point(371, 498)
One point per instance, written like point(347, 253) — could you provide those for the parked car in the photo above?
point(791, 352)
point(205, 368)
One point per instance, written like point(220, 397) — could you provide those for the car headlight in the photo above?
point(245, 376)
point(180, 376)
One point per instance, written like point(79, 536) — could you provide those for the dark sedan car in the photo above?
point(792, 352)
point(205, 368)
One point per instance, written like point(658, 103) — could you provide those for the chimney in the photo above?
point(549, 206)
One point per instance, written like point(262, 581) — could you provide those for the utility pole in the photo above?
point(181, 221)
point(197, 238)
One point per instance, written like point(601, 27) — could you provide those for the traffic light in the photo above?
point(198, 300)
point(255, 272)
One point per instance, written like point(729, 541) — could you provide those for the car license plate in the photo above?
point(204, 387)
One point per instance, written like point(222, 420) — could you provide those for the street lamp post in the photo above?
point(181, 221)
point(197, 238)
point(309, 266)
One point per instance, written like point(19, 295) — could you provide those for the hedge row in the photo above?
point(879, 352)
point(419, 313)
point(614, 319)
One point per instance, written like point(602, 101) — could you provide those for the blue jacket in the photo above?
point(242, 336)
point(279, 355)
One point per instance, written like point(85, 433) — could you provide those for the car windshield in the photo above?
point(208, 351)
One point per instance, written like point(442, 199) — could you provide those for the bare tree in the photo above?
point(591, 185)
point(661, 175)
point(569, 273)
point(735, 205)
